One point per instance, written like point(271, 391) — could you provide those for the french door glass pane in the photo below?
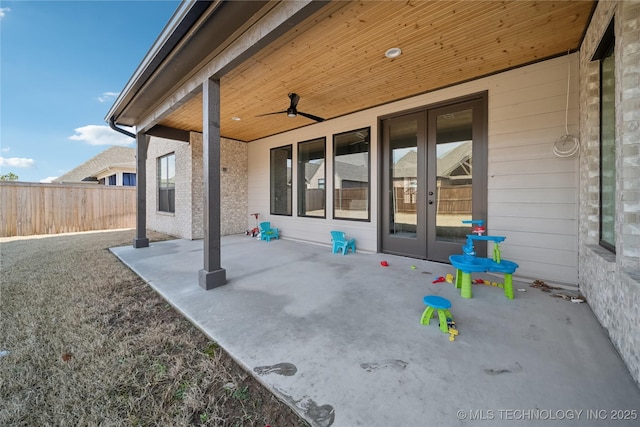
point(454, 175)
point(403, 215)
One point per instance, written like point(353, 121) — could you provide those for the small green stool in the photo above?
point(442, 305)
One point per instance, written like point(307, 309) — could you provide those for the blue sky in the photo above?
point(62, 63)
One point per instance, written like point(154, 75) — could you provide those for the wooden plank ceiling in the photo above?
point(335, 59)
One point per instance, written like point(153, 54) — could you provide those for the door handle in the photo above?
point(431, 193)
point(430, 202)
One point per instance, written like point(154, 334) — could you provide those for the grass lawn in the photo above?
point(85, 341)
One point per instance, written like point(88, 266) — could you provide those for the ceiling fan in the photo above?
point(292, 111)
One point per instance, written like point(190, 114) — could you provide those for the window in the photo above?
point(167, 183)
point(281, 180)
point(129, 179)
point(351, 175)
point(605, 55)
point(311, 172)
point(112, 180)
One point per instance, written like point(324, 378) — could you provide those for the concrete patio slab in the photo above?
point(339, 339)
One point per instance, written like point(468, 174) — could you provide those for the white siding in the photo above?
point(532, 194)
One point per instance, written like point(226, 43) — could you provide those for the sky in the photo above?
point(62, 65)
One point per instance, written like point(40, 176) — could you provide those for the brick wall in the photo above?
point(233, 185)
point(178, 223)
point(611, 282)
point(187, 221)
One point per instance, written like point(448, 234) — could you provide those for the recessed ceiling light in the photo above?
point(237, 119)
point(394, 52)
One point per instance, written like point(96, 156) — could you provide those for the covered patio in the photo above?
point(339, 338)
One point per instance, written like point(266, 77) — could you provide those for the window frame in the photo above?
point(301, 178)
point(167, 188)
point(605, 50)
point(132, 176)
point(335, 180)
point(288, 179)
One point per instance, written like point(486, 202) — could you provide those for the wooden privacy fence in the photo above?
point(454, 199)
point(33, 208)
point(351, 198)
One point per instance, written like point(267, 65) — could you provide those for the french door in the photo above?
point(433, 178)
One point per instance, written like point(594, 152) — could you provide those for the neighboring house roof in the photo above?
point(351, 172)
point(406, 166)
point(452, 160)
point(447, 164)
point(310, 170)
point(120, 157)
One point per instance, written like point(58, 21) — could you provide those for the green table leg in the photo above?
point(466, 285)
point(442, 316)
point(426, 315)
point(508, 286)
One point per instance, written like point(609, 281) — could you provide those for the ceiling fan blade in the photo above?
point(270, 114)
point(311, 116)
point(295, 98)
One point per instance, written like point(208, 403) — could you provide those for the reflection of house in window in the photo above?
point(455, 166)
point(405, 179)
point(311, 172)
point(167, 183)
point(352, 182)
point(454, 183)
point(351, 175)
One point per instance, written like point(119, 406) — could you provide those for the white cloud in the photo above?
point(102, 135)
point(17, 162)
point(3, 11)
point(48, 179)
point(106, 96)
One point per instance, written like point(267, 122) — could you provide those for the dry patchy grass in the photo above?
point(90, 343)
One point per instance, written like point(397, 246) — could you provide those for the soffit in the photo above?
point(335, 59)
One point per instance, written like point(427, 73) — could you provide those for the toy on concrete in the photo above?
point(342, 243)
point(255, 231)
point(453, 333)
point(267, 232)
point(441, 306)
point(468, 262)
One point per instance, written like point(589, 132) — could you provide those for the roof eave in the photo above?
point(187, 13)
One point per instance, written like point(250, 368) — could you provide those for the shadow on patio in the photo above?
point(339, 338)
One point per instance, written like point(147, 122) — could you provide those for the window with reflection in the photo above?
point(280, 188)
point(311, 176)
point(167, 183)
point(351, 187)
